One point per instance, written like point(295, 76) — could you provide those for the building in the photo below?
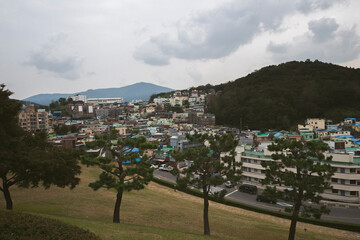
point(316, 123)
point(79, 110)
point(345, 182)
point(78, 97)
point(105, 100)
point(32, 120)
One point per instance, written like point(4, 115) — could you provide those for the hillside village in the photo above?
point(167, 120)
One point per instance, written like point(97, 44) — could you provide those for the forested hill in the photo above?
point(282, 96)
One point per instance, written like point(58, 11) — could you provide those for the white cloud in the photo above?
point(324, 41)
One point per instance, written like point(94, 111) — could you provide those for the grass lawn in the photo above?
point(156, 212)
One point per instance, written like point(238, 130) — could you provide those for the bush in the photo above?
point(18, 226)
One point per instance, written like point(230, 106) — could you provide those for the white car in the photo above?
point(154, 166)
point(229, 184)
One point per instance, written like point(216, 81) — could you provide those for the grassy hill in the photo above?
point(284, 95)
point(156, 213)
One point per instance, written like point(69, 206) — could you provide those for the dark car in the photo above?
point(248, 188)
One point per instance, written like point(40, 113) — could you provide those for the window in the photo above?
point(342, 181)
point(353, 193)
point(342, 192)
point(334, 180)
point(352, 170)
point(352, 182)
point(335, 191)
point(342, 170)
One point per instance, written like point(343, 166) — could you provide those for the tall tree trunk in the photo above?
point(295, 214)
point(206, 211)
point(116, 217)
point(9, 203)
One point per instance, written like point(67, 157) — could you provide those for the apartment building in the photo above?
point(32, 120)
point(345, 182)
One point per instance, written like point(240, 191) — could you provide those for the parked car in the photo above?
point(248, 188)
point(154, 166)
point(166, 168)
point(229, 184)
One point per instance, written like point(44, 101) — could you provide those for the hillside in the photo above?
point(156, 212)
point(135, 91)
point(282, 96)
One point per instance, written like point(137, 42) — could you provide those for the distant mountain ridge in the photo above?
point(141, 90)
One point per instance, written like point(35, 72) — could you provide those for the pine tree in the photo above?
point(212, 164)
point(124, 168)
point(304, 170)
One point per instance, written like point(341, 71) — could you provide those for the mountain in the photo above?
point(135, 91)
point(282, 96)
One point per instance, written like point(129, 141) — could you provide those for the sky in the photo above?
point(67, 46)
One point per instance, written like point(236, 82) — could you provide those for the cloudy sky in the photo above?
point(65, 46)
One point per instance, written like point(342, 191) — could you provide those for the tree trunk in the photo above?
point(295, 215)
point(9, 203)
point(116, 217)
point(206, 212)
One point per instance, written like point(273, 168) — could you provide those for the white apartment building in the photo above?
point(105, 100)
point(78, 97)
point(345, 182)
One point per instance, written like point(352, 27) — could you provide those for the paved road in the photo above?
point(340, 214)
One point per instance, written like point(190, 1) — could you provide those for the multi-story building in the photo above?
point(316, 123)
point(78, 97)
point(345, 182)
point(105, 100)
point(32, 120)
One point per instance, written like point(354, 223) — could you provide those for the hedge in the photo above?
point(338, 225)
point(15, 225)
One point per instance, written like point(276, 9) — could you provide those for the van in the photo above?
point(248, 189)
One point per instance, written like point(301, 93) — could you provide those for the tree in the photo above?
point(61, 129)
point(27, 159)
point(303, 168)
point(125, 167)
point(213, 163)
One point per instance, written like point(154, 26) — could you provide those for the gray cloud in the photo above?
point(217, 33)
point(323, 29)
point(325, 42)
point(50, 58)
point(307, 6)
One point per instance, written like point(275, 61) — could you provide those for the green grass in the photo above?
point(156, 212)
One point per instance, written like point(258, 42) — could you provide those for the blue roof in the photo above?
point(133, 150)
point(355, 140)
point(356, 124)
point(277, 134)
point(128, 162)
point(345, 136)
point(350, 119)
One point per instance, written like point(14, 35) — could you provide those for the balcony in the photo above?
point(334, 197)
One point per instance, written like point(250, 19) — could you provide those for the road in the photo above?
point(339, 214)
